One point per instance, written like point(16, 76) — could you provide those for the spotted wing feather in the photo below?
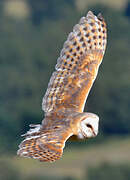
point(44, 145)
point(77, 66)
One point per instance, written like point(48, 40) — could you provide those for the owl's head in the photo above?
point(88, 126)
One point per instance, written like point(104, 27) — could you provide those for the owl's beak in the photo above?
point(94, 132)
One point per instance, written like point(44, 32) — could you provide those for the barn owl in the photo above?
point(68, 89)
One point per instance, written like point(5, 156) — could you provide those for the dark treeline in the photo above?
point(29, 49)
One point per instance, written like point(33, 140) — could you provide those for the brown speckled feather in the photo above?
point(46, 142)
point(77, 66)
point(63, 103)
point(47, 146)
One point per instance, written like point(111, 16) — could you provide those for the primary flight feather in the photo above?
point(69, 86)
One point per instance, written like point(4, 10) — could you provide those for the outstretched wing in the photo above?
point(68, 89)
point(77, 66)
point(44, 145)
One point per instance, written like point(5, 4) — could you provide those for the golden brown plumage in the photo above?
point(63, 103)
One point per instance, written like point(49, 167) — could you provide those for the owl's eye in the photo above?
point(89, 126)
point(56, 127)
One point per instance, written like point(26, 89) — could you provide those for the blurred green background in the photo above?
point(32, 33)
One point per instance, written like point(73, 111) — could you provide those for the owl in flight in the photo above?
point(68, 89)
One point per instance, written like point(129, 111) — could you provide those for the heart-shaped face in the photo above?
point(89, 126)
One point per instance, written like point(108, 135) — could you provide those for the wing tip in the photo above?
point(100, 17)
point(90, 14)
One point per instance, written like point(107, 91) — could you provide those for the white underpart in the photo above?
point(89, 132)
